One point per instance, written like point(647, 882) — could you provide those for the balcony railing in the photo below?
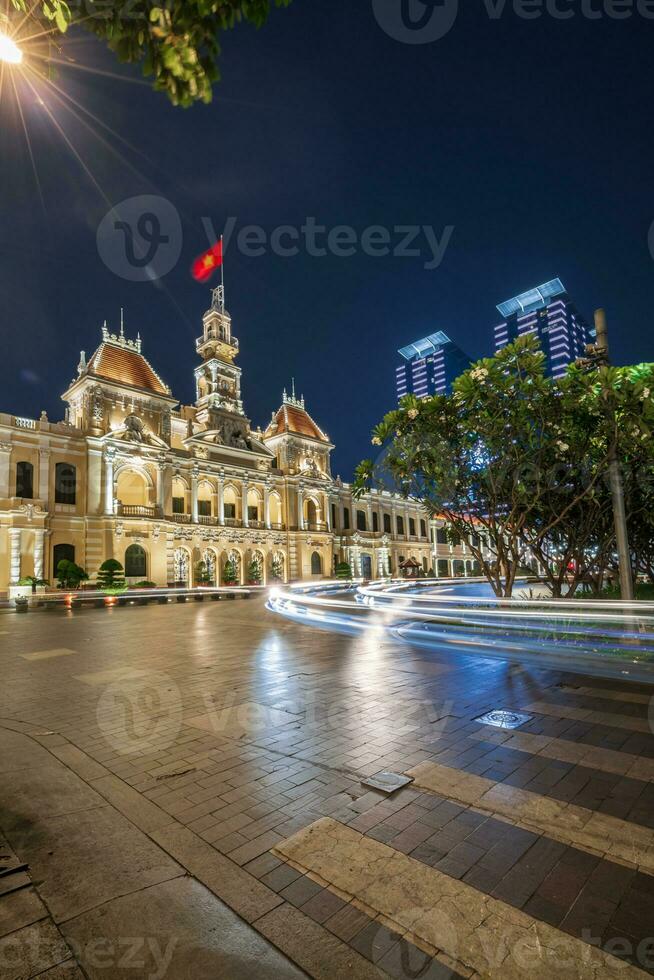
point(137, 510)
point(319, 526)
point(208, 520)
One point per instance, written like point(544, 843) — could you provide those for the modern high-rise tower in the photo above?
point(548, 312)
point(429, 366)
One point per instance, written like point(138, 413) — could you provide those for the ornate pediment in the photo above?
point(135, 431)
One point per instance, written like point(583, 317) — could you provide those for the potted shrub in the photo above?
point(254, 572)
point(343, 570)
point(34, 583)
point(111, 577)
point(69, 575)
point(229, 573)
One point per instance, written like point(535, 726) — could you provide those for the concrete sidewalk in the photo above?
point(103, 894)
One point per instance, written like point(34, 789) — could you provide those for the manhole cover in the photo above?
point(501, 718)
point(387, 782)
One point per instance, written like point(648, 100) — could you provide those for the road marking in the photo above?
point(628, 697)
point(47, 654)
point(481, 933)
point(108, 676)
point(592, 717)
point(575, 825)
point(592, 756)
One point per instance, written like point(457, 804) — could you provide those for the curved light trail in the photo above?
point(606, 637)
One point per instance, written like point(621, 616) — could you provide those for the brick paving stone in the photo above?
point(242, 795)
point(300, 891)
point(374, 941)
point(323, 905)
point(281, 877)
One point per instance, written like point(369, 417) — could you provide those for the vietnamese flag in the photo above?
point(205, 265)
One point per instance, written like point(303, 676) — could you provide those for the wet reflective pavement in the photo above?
point(233, 744)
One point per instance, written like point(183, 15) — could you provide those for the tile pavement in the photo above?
point(340, 709)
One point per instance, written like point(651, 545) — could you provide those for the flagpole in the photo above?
point(222, 271)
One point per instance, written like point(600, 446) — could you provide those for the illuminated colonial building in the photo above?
point(132, 475)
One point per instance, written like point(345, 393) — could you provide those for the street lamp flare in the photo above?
point(9, 50)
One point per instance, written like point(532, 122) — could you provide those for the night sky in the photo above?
point(532, 138)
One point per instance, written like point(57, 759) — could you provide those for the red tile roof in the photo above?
point(124, 366)
point(292, 418)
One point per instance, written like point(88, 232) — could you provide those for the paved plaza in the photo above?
point(183, 786)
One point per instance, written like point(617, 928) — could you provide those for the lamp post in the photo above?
point(599, 355)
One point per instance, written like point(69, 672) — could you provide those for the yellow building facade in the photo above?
point(175, 492)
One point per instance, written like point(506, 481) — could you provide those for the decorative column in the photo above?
point(161, 469)
point(266, 504)
point(14, 566)
point(39, 535)
point(300, 508)
point(109, 481)
point(245, 486)
point(328, 512)
point(5, 456)
point(341, 513)
point(195, 473)
point(221, 497)
point(44, 477)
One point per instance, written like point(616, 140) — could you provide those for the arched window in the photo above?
point(316, 564)
point(387, 524)
point(204, 499)
point(135, 562)
point(24, 480)
point(400, 524)
point(65, 483)
point(62, 552)
point(361, 521)
point(179, 496)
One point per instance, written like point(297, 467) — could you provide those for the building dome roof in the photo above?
point(121, 361)
point(292, 417)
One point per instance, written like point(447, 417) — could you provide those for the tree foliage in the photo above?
point(175, 42)
point(516, 463)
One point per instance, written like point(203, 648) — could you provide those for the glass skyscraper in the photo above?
point(429, 366)
point(548, 312)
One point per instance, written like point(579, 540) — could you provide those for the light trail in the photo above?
point(601, 636)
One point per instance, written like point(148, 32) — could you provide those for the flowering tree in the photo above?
point(175, 43)
point(514, 462)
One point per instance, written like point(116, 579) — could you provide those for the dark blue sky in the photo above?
point(532, 138)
